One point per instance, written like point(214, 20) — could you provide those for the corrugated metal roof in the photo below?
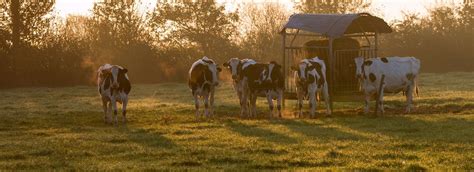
point(336, 25)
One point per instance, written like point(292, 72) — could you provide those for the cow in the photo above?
point(310, 78)
point(203, 79)
point(235, 67)
point(400, 74)
point(262, 80)
point(114, 86)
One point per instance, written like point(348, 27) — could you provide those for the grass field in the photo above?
point(62, 128)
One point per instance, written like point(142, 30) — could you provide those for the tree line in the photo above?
point(38, 48)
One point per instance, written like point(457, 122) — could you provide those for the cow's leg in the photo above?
point(114, 107)
point(279, 101)
point(243, 104)
point(211, 101)
point(196, 104)
point(270, 103)
point(409, 96)
point(206, 104)
point(326, 99)
point(367, 102)
point(312, 100)
point(253, 103)
point(109, 112)
point(380, 98)
point(244, 96)
point(250, 105)
point(124, 108)
point(300, 104)
point(104, 106)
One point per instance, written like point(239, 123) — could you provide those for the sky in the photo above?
point(388, 9)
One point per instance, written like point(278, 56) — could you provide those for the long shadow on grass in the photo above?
point(318, 131)
point(263, 134)
point(410, 129)
point(428, 106)
point(150, 138)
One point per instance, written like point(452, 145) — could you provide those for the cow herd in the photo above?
point(252, 79)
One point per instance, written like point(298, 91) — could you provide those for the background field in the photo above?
point(43, 128)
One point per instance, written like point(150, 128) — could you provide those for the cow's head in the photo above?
point(301, 70)
point(359, 62)
point(115, 72)
point(234, 67)
point(272, 73)
point(214, 69)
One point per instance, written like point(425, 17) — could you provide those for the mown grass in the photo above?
point(62, 128)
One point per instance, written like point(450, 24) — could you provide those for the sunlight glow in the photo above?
point(388, 9)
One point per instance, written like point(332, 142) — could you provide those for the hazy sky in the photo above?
point(388, 9)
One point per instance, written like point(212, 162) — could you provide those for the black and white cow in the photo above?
point(310, 78)
point(203, 78)
point(114, 86)
point(235, 67)
point(262, 80)
point(400, 76)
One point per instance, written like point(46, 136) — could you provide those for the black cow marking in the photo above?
point(372, 77)
point(199, 76)
point(319, 70)
point(208, 61)
point(124, 83)
point(107, 81)
point(368, 62)
point(310, 79)
point(410, 76)
point(385, 60)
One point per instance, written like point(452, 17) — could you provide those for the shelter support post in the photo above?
point(285, 65)
point(376, 44)
point(332, 71)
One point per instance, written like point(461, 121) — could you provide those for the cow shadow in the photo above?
point(149, 138)
point(247, 130)
point(407, 128)
point(319, 131)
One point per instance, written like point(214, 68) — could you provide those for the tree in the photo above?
point(119, 35)
point(202, 25)
point(261, 25)
point(117, 24)
point(332, 6)
point(23, 25)
point(442, 40)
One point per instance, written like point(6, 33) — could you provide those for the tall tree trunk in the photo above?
point(13, 57)
point(16, 23)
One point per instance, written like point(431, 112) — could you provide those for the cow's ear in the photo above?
point(294, 68)
point(125, 70)
point(219, 69)
point(226, 64)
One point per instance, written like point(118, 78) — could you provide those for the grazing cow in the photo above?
point(263, 80)
point(235, 67)
point(310, 78)
point(203, 78)
point(114, 86)
point(400, 75)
